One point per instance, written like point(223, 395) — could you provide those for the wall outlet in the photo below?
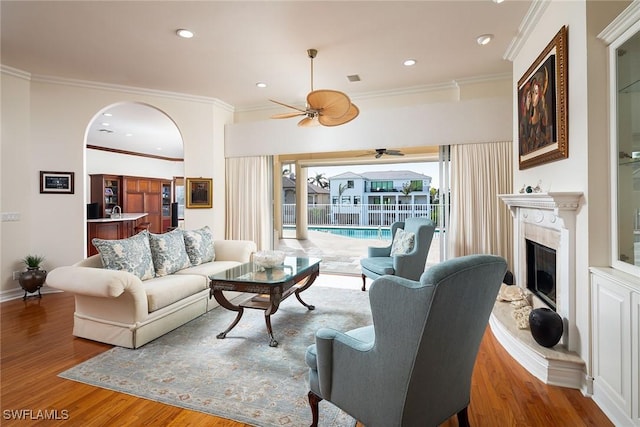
point(16, 275)
point(10, 216)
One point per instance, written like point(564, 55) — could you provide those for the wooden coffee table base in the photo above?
point(268, 298)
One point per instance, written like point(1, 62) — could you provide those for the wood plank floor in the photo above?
point(36, 344)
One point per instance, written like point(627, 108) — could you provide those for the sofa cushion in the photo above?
point(168, 252)
point(164, 291)
point(132, 254)
point(209, 268)
point(402, 242)
point(199, 245)
point(378, 265)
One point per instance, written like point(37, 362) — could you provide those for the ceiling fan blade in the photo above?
point(287, 115)
point(351, 114)
point(394, 153)
point(330, 103)
point(308, 122)
point(379, 154)
point(289, 106)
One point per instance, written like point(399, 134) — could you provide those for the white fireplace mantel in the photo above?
point(548, 219)
point(555, 201)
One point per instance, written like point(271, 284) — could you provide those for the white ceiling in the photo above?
point(240, 43)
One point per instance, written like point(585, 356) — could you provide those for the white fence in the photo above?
point(360, 215)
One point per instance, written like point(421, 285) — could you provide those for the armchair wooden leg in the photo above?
point(463, 418)
point(364, 283)
point(314, 399)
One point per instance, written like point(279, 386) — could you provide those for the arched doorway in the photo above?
point(132, 139)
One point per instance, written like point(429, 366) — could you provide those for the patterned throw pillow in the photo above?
point(402, 242)
point(199, 245)
point(168, 252)
point(132, 255)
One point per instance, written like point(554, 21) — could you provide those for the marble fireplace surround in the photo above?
point(548, 219)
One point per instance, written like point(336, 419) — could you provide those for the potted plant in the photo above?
point(32, 279)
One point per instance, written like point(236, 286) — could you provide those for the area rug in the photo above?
point(239, 377)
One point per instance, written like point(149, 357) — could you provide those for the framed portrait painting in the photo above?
point(56, 182)
point(542, 106)
point(199, 193)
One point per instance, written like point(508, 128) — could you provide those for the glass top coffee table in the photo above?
point(270, 287)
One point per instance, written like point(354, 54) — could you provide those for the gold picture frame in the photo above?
point(199, 193)
point(543, 107)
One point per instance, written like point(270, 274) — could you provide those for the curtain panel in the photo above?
point(480, 222)
point(249, 200)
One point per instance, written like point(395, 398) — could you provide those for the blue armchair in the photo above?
point(410, 265)
point(413, 366)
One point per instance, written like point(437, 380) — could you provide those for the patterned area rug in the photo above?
point(239, 377)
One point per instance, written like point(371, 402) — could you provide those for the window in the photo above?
point(350, 183)
point(357, 200)
point(416, 185)
point(345, 200)
point(334, 200)
point(381, 186)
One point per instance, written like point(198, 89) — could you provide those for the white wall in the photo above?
point(455, 122)
point(46, 131)
point(586, 168)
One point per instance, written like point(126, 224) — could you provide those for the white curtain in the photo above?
point(480, 222)
point(250, 200)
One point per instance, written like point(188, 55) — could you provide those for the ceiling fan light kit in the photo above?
point(324, 107)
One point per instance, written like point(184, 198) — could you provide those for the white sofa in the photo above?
point(117, 307)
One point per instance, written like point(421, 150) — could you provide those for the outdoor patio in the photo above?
point(340, 254)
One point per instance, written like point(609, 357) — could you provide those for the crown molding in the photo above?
point(114, 87)
point(624, 21)
point(5, 69)
point(528, 24)
point(412, 90)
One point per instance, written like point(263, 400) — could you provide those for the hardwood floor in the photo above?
point(36, 345)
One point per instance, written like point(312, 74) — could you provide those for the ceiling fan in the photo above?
point(379, 152)
point(324, 107)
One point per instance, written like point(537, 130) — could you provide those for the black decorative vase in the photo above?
point(32, 280)
point(546, 326)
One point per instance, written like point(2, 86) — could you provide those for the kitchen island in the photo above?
point(119, 227)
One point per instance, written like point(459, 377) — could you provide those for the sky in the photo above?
point(425, 168)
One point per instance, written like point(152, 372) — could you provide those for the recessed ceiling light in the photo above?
point(261, 84)
point(484, 39)
point(185, 34)
point(107, 114)
point(105, 124)
point(409, 62)
point(128, 134)
point(498, 1)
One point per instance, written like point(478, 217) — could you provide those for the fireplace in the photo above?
point(541, 272)
point(544, 266)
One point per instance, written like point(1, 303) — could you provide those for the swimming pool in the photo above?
point(383, 233)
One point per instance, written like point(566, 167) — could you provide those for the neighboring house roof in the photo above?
point(311, 188)
point(383, 175)
point(346, 175)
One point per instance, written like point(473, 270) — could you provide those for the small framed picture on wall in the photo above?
point(56, 182)
point(199, 193)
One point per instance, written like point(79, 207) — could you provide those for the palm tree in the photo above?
point(320, 180)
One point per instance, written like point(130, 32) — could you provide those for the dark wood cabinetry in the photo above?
point(106, 190)
point(134, 195)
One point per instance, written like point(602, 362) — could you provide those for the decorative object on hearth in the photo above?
point(546, 326)
point(32, 279)
point(324, 107)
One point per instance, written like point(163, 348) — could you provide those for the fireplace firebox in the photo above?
point(541, 272)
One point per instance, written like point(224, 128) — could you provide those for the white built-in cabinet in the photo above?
point(615, 297)
point(615, 289)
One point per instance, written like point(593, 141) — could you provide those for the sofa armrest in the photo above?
point(96, 282)
point(234, 250)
